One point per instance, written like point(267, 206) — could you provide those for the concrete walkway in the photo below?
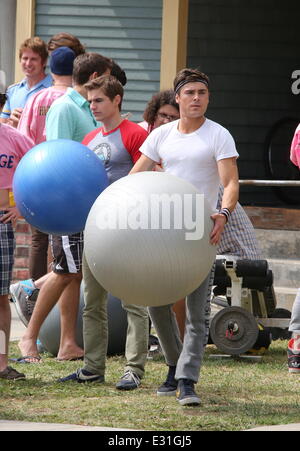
point(280, 427)
point(26, 426)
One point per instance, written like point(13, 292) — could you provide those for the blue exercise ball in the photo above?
point(56, 184)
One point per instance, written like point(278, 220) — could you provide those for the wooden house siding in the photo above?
point(128, 31)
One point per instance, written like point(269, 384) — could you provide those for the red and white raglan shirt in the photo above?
point(119, 148)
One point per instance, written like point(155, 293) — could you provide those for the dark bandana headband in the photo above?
point(184, 82)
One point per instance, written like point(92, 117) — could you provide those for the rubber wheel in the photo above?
point(234, 330)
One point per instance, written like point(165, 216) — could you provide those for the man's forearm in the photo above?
point(143, 164)
point(230, 195)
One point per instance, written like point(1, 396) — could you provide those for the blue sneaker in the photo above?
point(82, 376)
point(24, 295)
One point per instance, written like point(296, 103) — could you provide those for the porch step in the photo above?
point(286, 272)
point(279, 244)
point(285, 297)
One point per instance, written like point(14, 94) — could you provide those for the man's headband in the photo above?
point(195, 80)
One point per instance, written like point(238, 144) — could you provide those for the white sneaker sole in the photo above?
point(294, 370)
point(166, 393)
point(192, 401)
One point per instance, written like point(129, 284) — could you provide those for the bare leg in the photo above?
point(40, 282)
point(49, 294)
point(69, 303)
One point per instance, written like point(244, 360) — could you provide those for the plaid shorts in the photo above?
point(238, 237)
point(67, 253)
point(7, 247)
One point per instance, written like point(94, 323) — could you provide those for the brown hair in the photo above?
point(109, 85)
point(118, 72)
point(156, 102)
point(35, 44)
point(66, 40)
point(88, 63)
point(189, 76)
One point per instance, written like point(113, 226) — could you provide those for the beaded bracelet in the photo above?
point(226, 212)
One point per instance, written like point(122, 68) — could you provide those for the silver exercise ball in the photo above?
point(147, 239)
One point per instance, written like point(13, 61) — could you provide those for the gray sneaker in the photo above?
point(24, 295)
point(129, 381)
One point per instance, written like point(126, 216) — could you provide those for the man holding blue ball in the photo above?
point(69, 117)
point(209, 159)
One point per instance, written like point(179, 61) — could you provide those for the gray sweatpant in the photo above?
point(186, 356)
point(295, 319)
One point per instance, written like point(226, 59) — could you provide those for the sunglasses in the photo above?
point(169, 117)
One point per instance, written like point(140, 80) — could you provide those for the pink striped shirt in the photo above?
point(33, 119)
point(13, 146)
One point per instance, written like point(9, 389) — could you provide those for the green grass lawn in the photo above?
point(236, 395)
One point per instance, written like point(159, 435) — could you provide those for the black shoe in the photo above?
point(129, 381)
point(185, 394)
point(11, 374)
point(169, 387)
point(82, 376)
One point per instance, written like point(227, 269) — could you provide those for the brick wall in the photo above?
point(23, 243)
point(274, 218)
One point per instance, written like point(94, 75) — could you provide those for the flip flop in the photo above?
point(26, 359)
point(71, 359)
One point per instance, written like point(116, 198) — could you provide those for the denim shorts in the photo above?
point(7, 248)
